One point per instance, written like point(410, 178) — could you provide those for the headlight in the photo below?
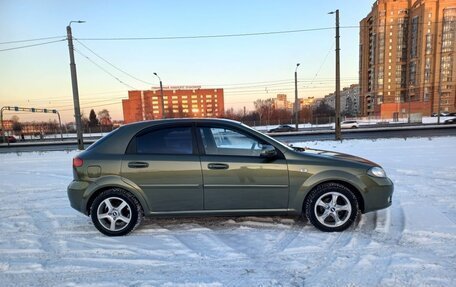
point(377, 172)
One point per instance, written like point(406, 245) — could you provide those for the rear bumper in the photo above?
point(75, 192)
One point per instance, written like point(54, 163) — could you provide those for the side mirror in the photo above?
point(268, 151)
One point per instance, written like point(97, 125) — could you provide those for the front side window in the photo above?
point(223, 141)
point(166, 141)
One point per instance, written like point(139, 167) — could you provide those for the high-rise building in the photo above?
point(349, 100)
point(407, 55)
point(179, 102)
point(281, 102)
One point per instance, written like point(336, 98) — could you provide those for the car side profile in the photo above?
point(180, 167)
point(7, 139)
point(349, 124)
point(450, 121)
point(282, 128)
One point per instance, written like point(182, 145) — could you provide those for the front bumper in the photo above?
point(378, 193)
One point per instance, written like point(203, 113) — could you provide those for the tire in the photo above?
point(116, 212)
point(331, 207)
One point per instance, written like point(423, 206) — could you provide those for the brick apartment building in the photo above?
point(179, 102)
point(407, 51)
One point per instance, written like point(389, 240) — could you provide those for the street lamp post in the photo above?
point(296, 106)
point(162, 97)
point(74, 83)
point(337, 121)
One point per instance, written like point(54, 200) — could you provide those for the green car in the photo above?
point(182, 167)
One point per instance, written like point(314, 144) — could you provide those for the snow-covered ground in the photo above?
point(43, 242)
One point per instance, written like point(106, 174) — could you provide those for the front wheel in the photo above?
point(116, 212)
point(331, 207)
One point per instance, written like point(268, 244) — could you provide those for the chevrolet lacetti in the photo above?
point(182, 167)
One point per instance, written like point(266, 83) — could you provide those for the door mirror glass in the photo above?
point(268, 151)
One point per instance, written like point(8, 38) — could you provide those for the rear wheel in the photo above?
point(331, 207)
point(116, 212)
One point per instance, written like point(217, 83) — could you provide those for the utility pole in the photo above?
point(337, 120)
point(162, 97)
point(296, 98)
point(74, 83)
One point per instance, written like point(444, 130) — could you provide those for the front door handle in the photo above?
point(137, 164)
point(218, 166)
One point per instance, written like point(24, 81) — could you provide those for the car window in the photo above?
point(166, 141)
point(224, 141)
point(102, 140)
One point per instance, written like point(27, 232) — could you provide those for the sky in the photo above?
point(247, 68)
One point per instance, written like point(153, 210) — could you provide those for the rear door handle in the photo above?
point(218, 166)
point(137, 164)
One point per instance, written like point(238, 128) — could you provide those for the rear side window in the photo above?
point(166, 141)
point(102, 140)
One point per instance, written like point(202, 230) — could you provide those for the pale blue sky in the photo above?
point(40, 76)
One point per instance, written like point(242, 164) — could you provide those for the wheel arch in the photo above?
point(111, 182)
point(348, 185)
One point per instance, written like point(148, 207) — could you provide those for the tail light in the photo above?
point(77, 162)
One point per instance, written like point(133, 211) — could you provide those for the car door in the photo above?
point(235, 176)
point(164, 163)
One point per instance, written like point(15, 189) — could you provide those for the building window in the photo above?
point(413, 73)
point(427, 70)
point(414, 48)
point(428, 44)
point(427, 94)
point(449, 28)
point(447, 68)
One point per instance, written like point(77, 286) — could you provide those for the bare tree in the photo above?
point(264, 108)
point(104, 117)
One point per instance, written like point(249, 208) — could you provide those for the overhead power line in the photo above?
point(104, 70)
point(109, 63)
point(208, 36)
point(32, 40)
point(234, 35)
point(218, 35)
point(32, 45)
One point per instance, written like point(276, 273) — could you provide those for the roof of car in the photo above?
point(117, 142)
point(182, 120)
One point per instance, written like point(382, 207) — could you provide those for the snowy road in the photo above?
point(43, 242)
